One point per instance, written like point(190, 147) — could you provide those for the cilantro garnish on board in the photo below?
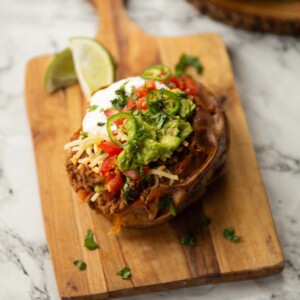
point(125, 273)
point(186, 61)
point(81, 265)
point(89, 241)
point(229, 234)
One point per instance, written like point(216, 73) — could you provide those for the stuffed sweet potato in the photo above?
point(148, 148)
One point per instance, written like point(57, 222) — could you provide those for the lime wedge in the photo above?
point(61, 72)
point(93, 64)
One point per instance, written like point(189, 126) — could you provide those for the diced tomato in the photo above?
point(115, 184)
point(141, 104)
point(189, 85)
point(119, 122)
point(176, 81)
point(145, 170)
point(109, 176)
point(110, 148)
point(131, 104)
point(110, 112)
point(150, 85)
point(133, 174)
point(134, 105)
point(108, 164)
point(141, 92)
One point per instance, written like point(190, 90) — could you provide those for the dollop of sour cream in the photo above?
point(102, 101)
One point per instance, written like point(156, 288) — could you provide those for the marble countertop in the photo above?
point(267, 70)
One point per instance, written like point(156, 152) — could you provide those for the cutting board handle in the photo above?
point(112, 14)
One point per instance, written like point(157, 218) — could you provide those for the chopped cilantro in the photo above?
point(205, 221)
point(188, 61)
point(127, 191)
point(92, 108)
point(188, 240)
point(229, 234)
point(121, 100)
point(84, 134)
point(172, 209)
point(167, 201)
point(79, 264)
point(100, 124)
point(159, 119)
point(125, 273)
point(141, 172)
point(133, 88)
point(141, 135)
point(158, 103)
point(89, 241)
point(134, 97)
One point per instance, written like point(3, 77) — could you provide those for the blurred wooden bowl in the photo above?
point(276, 16)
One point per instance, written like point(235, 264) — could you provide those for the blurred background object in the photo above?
point(276, 16)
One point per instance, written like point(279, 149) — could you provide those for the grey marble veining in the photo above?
point(267, 70)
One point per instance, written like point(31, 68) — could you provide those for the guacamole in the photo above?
point(158, 137)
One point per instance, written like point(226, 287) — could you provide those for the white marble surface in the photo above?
point(267, 70)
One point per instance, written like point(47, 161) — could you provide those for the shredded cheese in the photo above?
point(159, 172)
point(88, 145)
point(97, 160)
point(84, 160)
point(171, 180)
point(156, 182)
point(95, 196)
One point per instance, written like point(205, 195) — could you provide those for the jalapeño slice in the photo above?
point(157, 72)
point(129, 125)
point(163, 100)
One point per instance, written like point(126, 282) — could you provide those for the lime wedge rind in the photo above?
point(61, 72)
point(93, 64)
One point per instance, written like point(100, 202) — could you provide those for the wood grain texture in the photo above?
point(266, 16)
point(157, 259)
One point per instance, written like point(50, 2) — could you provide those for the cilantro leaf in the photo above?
point(121, 100)
point(172, 208)
point(141, 171)
point(157, 104)
point(159, 119)
point(164, 203)
point(125, 273)
point(92, 108)
point(134, 97)
point(188, 61)
point(141, 135)
point(229, 234)
point(100, 124)
point(84, 134)
point(205, 221)
point(89, 241)
point(167, 201)
point(79, 264)
point(188, 240)
point(128, 196)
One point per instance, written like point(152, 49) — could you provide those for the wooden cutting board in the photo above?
point(156, 257)
point(281, 17)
